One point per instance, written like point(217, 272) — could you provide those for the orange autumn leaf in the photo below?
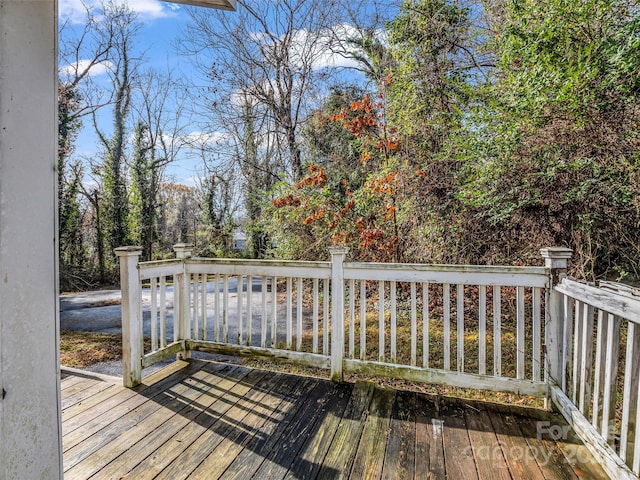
point(287, 201)
point(317, 177)
point(391, 210)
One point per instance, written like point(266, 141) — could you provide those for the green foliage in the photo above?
point(216, 199)
point(327, 143)
point(143, 193)
point(495, 129)
point(433, 45)
point(72, 250)
point(440, 78)
point(115, 201)
point(352, 199)
point(559, 160)
point(517, 128)
point(123, 26)
point(580, 58)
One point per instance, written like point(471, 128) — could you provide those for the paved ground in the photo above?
point(97, 311)
point(100, 311)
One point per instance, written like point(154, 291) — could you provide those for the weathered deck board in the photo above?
point(111, 425)
point(339, 458)
point(520, 458)
point(487, 453)
point(230, 424)
point(399, 458)
point(429, 447)
point(121, 400)
point(78, 398)
point(264, 420)
point(76, 387)
point(174, 447)
point(457, 443)
point(370, 454)
point(314, 448)
point(68, 381)
point(137, 431)
point(207, 420)
point(549, 457)
point(273, 452)
point(148, 445)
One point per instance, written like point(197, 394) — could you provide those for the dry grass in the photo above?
point(448, 391)
point(81, 349)
point(285, 367)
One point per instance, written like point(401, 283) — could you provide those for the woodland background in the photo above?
point(470, 132)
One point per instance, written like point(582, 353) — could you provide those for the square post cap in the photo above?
point(129, 251)
point(338, 250)
point(556, 257)
point(183, 250)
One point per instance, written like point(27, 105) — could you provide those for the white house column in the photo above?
point(30, 440)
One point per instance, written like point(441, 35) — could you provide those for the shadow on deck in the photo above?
point(206, 420)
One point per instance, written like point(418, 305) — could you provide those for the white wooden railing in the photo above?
point(448, 314)
point(466, 326)
point(597, 381)
point(210, 305)
point(526, 330)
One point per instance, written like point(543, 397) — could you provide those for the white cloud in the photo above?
point(75, 10)
point(198, 140)
point(331, 54)
point(341, 54)
point(328, 58)
point(258, 37)
point(151, 9)
point(330, 48)
point(96, 70)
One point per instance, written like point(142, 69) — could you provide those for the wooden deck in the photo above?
point(205, 420)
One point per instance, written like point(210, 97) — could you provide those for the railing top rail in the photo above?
point(160, 268)
point(268, 268)
point(448, 268)
point(621, 288)
point(464, 274)
point(159, 263)
point(621, 305)
point(257, 263)
point(401, 272)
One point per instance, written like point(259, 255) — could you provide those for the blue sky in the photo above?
point(162, 24)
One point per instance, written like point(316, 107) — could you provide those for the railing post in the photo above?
point(555, 259)
point(337, 311)
point(132, 348)
point(181, 294)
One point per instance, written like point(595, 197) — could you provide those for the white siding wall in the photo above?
point(29, 372)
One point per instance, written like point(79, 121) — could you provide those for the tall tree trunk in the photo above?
point(99, 238)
